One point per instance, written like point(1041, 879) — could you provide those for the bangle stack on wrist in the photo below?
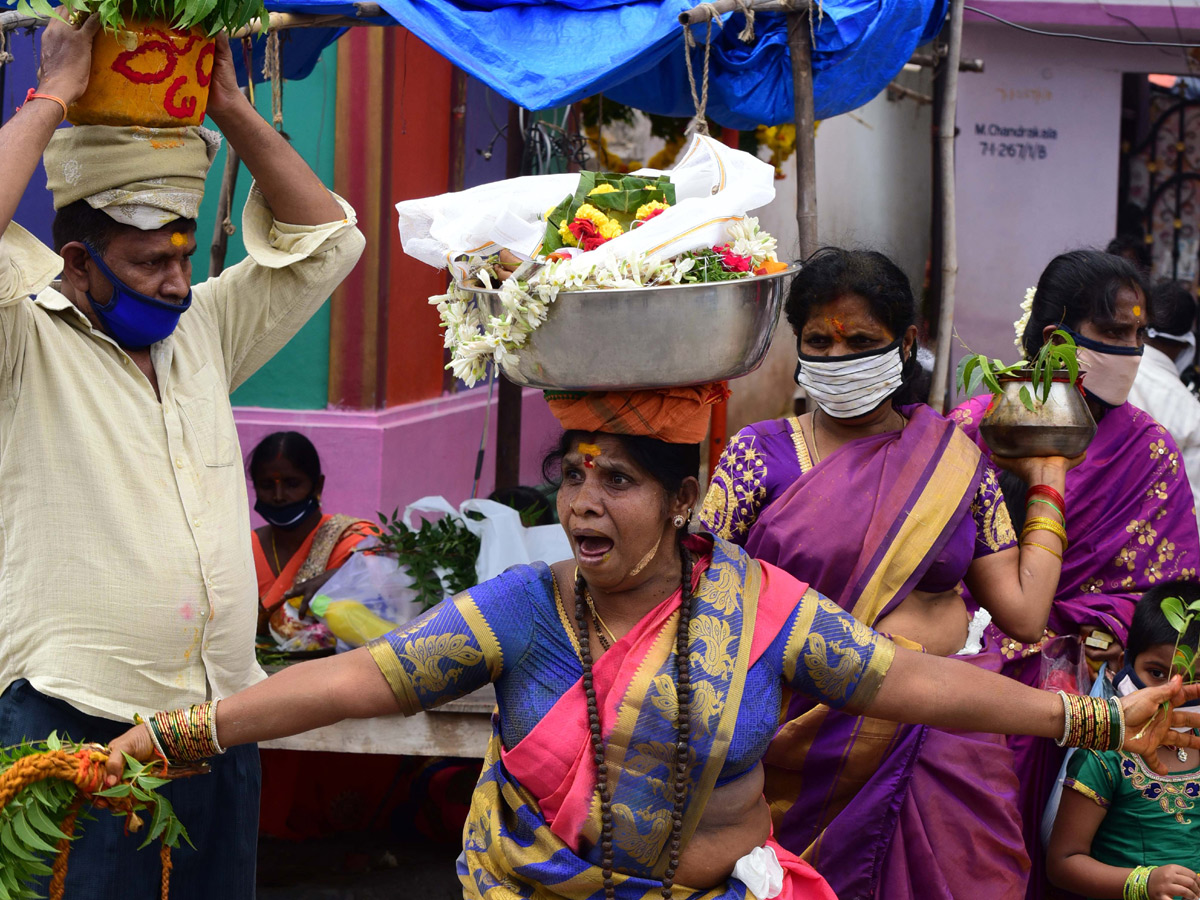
point(184, 735)
point(1137, 885)
point(1092, 722)
point(1048, 496)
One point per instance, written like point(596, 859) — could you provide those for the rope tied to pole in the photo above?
point(273, 71)
point(699, 123)
point(746, 35)
point(85, 768)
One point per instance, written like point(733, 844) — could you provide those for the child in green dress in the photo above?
point(1123, 831)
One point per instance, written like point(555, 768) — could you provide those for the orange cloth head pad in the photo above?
point(676, 415)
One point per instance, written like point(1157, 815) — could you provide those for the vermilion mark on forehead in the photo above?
point(590, 453)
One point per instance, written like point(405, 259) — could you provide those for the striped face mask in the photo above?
point(849, 386)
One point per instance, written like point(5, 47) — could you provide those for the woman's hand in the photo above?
point(1040, 469)
point(1111, 654)
point(66, 63)
point(1169, 882)
point(1147, 727)
point(136, 742)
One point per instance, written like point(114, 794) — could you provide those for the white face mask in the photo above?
point(1184, 359)
point(849, 386)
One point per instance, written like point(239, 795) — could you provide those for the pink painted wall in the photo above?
point(1015, 212)
point(381, 460)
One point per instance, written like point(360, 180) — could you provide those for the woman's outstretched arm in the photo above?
point(955, 695)
point(301, 697)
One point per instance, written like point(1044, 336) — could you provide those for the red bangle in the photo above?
point(1046, 491)
point(34, 95)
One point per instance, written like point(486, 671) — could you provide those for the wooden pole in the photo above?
point(939, 389)
point(508, 411)
point(800, 45)
point(229, 176)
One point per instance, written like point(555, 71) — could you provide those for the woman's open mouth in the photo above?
point(592, 548)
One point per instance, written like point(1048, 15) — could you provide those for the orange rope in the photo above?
point(85, 769)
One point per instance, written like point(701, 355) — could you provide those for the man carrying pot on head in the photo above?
point(126, 580)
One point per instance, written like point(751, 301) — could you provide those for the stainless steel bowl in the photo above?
point(649, 337)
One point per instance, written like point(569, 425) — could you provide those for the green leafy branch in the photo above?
point(211, 15)
point(976, 370)
point(440, 556)
point(31, 824)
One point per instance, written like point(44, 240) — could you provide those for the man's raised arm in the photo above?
point(65, 66)
point(292, 190)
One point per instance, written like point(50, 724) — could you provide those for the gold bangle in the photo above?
point(1045, 523)
point(1044, 547)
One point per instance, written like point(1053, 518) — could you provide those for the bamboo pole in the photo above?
point(940, 385)
point(800, 45)
point(704, 13)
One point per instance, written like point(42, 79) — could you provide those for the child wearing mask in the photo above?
point(1122, 831)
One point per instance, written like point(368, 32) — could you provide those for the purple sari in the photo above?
point(881, 810)
point(1131, 523)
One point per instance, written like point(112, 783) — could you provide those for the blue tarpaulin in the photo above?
point(543, 54)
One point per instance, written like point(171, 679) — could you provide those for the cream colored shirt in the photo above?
point(126, 572)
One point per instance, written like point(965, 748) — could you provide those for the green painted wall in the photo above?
point(298, 376)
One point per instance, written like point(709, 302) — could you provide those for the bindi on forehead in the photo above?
point(590, 453)
point(835, 323)
point(179, 239)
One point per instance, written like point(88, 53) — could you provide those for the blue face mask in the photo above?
point(133, 319)
point(289, 515)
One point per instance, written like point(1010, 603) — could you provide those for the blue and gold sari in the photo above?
point(756, 635)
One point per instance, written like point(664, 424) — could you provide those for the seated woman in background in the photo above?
point(886, 507)
point(299, 542)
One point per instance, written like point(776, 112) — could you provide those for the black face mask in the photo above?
point(289, 515)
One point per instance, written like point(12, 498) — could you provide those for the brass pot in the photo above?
point(1060, 426)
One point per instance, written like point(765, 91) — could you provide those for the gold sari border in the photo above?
point(493, 653)
point(872, 677)
point(810, 602)
point(397, 678)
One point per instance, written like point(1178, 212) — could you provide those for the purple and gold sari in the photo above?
point(881, 810)
point(1132, 524)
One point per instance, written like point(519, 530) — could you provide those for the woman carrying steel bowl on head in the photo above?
point(887, 509)
point(1131, 520)
point(639, 684)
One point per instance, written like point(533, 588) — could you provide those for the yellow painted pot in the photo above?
point(147, 74)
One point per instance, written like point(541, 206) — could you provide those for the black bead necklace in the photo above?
point(683, 693)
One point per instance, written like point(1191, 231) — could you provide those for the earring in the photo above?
point(679, 521)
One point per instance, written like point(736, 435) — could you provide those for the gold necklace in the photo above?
point(601, 628)
point(275, 553)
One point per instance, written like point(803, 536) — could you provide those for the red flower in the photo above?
point(731, 261)
point(586, 233)
point(650, 215)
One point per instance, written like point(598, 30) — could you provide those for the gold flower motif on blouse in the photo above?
point(715, 635)
point(996, 528)
point(1187, 574)
point(1166, 550)
point(1173, 462)
point(735, 493)
point(1157, 491)
point(1126, 583)
point(427, 655)
point(1158, 449)
point(1092, 586)
point(1127, 557)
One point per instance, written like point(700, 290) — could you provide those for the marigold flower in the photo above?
point(603, 189)
point(564, 232)
point(648, 211)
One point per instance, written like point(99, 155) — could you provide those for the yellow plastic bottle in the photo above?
point(349, 620)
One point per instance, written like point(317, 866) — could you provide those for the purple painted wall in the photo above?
point(381, 460)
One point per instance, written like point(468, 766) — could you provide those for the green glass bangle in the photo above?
point(1051, 504)
point(1137, 885)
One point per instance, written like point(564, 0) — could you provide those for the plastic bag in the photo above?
point(714, 185)
point(504, 541)
point(1064, 666)
point(293, 634)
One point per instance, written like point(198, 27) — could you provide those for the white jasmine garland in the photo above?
point(1020, 325)
point(747, 239)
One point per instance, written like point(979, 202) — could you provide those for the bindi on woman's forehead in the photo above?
point(590, 453)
